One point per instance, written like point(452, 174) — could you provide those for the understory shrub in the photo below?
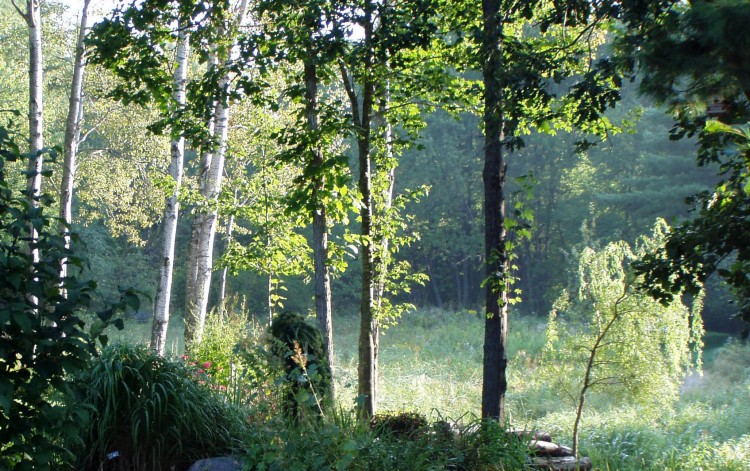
point(149, 413)
point(339, 441)
point(43, 337)
point(232, 359)
point(400, 425)
point(299, 348)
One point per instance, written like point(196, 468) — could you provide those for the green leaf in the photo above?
point(715, 126)
point(23, 321)
point(6, 394)
point(96, 327)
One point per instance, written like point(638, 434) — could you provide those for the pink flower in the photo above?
point(207, 364)
point(201, 371)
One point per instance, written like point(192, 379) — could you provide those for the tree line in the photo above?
point(289, 124)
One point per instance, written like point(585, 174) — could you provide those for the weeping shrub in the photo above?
point(617, 340)
point(151, 413)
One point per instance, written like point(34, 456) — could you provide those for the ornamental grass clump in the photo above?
point(149, 413)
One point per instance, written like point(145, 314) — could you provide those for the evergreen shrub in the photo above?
point(299, 348)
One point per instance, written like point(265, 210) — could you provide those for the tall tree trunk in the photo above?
point(266, 225)
point(72, 135)
point(366, 372)
point(381, 262)
point(224, 273)
point(320, 221)
point(434, 286)
point(33, 18)
point(367, 378)
point(205, 226)
point(494, 382)
point(203, 231)
point(171, 211)
point(191, 281)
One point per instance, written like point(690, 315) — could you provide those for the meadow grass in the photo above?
point(431, 363)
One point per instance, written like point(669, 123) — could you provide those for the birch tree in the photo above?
point(32, 15)
point(171, 211)
point(72, 138)
point(203, 230)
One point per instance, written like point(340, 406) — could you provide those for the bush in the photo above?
point(151, 413)
point(42, 334)
point(408, 425)
point(232, 359)
point(300, 349)
point(219, 362)
point(339, 441)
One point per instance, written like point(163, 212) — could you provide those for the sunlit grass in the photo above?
point(431, 362)
point(139, 332)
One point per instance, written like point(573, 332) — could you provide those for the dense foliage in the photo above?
point(44, 338)
point(299, 349)
point(694, 59)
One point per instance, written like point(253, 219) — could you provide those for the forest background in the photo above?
point(614, 191)
point(574, 199)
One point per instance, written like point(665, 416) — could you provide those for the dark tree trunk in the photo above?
point(494, 383)
point(320, 222)
point(366, 372)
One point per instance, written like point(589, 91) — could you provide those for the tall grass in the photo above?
point(431, 363)
point(148, 413)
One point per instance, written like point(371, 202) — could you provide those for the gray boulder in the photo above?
point(224, 463)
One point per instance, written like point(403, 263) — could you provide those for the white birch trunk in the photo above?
point(171, 211)
point(33, 18)
point(191, 283)
point(204, 226)
point(73, 124)
point(225, 271)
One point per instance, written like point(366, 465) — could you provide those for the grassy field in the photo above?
point(431, 363)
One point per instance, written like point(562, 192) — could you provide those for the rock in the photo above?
point(224, 463)
point(547, 448)
point(564, 463)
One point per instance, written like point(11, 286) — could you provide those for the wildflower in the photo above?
point(207, 365)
